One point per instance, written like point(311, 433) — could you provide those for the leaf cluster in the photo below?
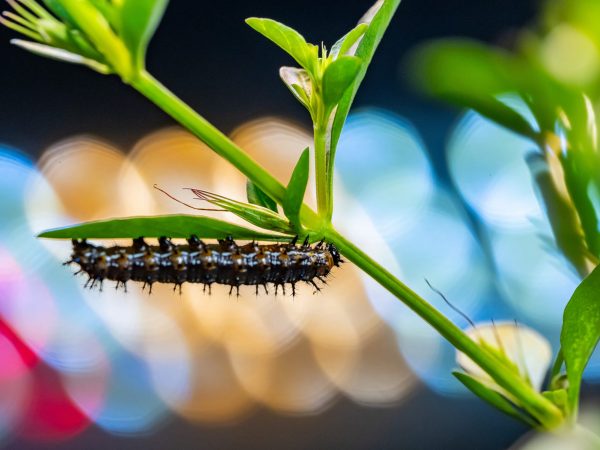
point(107, 36)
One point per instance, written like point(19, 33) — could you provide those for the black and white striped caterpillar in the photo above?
point(224, 263)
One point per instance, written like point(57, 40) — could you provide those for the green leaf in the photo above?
point(298, 81)
point(377, 24)
point(343, 45)
point(99, 32)
point(175, 226)
point(338, 77)
point(492, 397)
point(288, 39)
point(294, 193)
point(59, 10)
point(565, 223)
point(472, 75)
point(60, 55)
point(580, 332)
point(254, 214)
point(257, 196)
point(139, 20)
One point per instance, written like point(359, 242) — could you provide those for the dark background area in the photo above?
point(207, 55)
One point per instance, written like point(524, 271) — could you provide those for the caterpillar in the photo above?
point(225, 263)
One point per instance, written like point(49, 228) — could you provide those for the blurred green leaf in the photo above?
point(563, 218)
point(139, 20)
point(472, 75)
point(57, 8)
point(256, 196)
point(294, 193)
point(175, 226)
point(343, 45)
point(288, 39)
point(580, 332)
point(492, 397)
point(338, 77)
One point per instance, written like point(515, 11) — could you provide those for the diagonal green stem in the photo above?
point(216, 140)
point(538, 406)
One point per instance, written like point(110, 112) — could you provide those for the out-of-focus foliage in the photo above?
point(554, 70)
point(546, 89)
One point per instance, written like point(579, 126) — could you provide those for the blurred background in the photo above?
point(350, 367)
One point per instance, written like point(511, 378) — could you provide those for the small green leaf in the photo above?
point(257, 215)
point(175, 226)
point(139, 20)
point(288, 39)
point(492, 397)
point(298, 81)
point(580, 332)
point(377, 24)
point(60, 55)
point(257, 196)
point(338, 77)
point(342, 46)
point(294, 193)
point(98, 30)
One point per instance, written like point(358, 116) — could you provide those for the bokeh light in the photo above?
point(423, 227)
point(128, 362)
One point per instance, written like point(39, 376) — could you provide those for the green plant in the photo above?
point(111, 37)
point(558, 114)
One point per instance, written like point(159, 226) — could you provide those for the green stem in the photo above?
point(216, 140)
point(323, 200)
point(538, 406)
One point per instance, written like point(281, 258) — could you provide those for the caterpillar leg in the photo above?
point(177, 285)
point(317, 288)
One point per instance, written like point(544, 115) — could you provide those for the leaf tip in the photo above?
point(253, 21)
